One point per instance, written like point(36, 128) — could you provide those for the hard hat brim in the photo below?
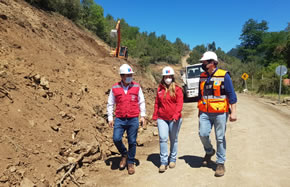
point(127, 73)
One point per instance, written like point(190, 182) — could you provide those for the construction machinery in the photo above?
point(120, 51)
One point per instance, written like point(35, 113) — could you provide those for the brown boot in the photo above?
point(123, 162)
point(207, 158)
point(131, 169)
point(172, 165)
point(162, 168)
point(220, 170)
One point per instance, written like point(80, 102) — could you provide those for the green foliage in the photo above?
point(148, 48)
point(145, 61)
point(286, 52)
point(180, 46)
point(69, 8)
point(196, 54)
point(93, 18)
point(252, 36)
point(212, 47)
point(261, 52)
point(252, 33)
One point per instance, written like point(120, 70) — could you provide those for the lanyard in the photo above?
point(209, 76)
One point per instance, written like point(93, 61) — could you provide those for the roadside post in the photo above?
point(245, 76)
point(280, 71)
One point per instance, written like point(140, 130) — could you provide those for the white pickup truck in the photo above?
point(191, 80)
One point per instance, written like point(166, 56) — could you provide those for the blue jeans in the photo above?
point(171, 129)
point(206, 121)
point(130, 125)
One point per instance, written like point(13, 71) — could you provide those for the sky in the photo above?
point(198, 22)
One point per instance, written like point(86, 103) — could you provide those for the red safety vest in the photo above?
point(126, 104)
point(213, 96)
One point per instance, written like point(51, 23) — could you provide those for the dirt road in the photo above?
point(257, 153)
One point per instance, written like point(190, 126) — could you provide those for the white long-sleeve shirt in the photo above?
point(111, 102)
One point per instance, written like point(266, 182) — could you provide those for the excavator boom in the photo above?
point(120, 51)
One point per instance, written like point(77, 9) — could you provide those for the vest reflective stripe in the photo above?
point(213, 79)
point(213, 98)
point(117, 86)
point(127, 105)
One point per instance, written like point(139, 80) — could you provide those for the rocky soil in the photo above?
point(54, 82)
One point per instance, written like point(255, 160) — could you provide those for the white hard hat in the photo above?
point(209, 55)
point(167, 71)
point(126, 69)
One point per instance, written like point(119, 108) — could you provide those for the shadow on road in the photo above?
point(196, 162)
point(115, 161)
point(155, 159)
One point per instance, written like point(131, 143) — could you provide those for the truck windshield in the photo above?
point(194, 71)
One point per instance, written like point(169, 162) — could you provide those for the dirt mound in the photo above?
point(54, 83)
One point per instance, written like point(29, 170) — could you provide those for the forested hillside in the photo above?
point(258, 54)
point(147, 47)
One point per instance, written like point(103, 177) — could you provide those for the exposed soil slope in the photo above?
point(54, 82)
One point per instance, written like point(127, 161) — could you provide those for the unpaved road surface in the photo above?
point(257, 152)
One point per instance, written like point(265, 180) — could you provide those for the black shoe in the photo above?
point(207, 158)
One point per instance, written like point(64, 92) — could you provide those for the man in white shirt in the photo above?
point(129, 100)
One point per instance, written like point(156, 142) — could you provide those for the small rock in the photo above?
point(3, 74)
point(71, 159)
point(26, 183)
point(4, 179)
point(44, 83)
point(32, 123)
point(62, 114)
point(140, 130)
point(12, 169)
point(21, 172)
point(155, 133)
point(36, 152)
point(54, 128)
point(36, 78)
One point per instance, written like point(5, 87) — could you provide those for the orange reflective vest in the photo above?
point(213, 97)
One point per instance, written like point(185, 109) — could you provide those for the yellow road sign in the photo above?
point(245, 76)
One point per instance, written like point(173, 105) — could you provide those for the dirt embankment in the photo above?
point(54, 82)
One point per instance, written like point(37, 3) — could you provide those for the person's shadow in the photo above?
point(115, 161)
point(196, 162)
point(155, 159)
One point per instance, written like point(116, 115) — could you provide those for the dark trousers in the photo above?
point(130, 125)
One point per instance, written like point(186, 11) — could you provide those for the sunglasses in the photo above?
point(207, 61)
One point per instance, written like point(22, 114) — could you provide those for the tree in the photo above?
point(93, 17)
point(233, 52)
point(286, 52)
point(180, 46)
point(196, 54)
point(252, 34)
point(272, 47)
point(212, 47)
point(72, 9)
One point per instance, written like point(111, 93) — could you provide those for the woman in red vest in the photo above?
point(167, 112)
